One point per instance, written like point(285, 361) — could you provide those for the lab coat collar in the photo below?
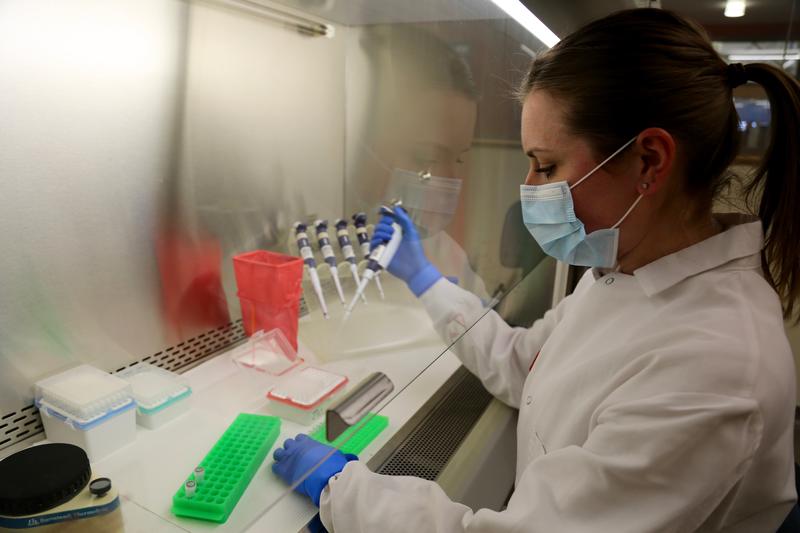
point(742, 238)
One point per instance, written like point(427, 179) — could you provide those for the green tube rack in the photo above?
point(229, 467)
point(362, 434)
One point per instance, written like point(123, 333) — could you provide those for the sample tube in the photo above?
point(346, 246)
point(308, 256)
point(189, 488)
point(360, 222)
point(199, 473)
point(324, 241)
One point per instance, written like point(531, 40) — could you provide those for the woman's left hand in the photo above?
point(313, 462)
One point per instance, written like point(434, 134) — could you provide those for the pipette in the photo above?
point(321, 226)
point(308, 256)
point(360, 222)
point(343, 237)
point(379, 258)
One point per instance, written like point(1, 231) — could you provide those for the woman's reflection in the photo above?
point(416, 131)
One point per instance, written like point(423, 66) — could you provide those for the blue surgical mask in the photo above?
point(549, 215)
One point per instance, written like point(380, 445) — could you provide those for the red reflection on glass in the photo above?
point(192, 296)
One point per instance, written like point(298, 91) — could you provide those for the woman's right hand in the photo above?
point(409, 262)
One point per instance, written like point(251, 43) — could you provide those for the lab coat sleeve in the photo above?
point(658, 464)
point(500, 355)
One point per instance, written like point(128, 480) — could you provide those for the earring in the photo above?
point(645, 185)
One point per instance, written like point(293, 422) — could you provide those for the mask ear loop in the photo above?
point(628, 212)
point(617, 266)
point(606, 160)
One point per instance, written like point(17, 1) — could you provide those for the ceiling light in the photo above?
point(734, 8)
point(529, 21)
point(760, 51)
point(763, 57)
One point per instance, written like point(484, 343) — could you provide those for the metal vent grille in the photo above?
point(25, 423)
point(193, 350)
point(429, 446)
point(19, 425)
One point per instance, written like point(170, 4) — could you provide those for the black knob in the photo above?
point(100, 486)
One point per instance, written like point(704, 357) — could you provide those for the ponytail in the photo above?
point(777, 182)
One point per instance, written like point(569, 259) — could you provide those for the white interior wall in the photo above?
point(263, 131)
point(88, 96)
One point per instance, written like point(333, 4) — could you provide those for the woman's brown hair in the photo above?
point(645, 68)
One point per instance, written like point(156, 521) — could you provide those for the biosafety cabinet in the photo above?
point(146, 143)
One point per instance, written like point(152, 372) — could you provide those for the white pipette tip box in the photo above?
point(303, 396)
point(268, 352)
point(89, 408)
point(160, 395)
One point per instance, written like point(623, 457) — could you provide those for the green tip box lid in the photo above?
point(355, 438)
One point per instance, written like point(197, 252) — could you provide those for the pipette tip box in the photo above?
point(268, 352)
point(160, 395)
point(303, 395)
point(89, 408)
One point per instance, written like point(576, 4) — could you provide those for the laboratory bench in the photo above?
point(149, 470)
point(239, 119)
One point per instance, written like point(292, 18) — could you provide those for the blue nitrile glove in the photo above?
point(409, 262)
point(299, 456)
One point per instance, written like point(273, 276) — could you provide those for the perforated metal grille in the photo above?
point(192, 350)
point(429, 446)
point(19, 425)
point(303, 306)
point(25, 423)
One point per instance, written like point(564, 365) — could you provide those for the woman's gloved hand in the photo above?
point(409, 263)
point(298, 456)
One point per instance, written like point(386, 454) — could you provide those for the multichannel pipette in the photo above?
point(321, 226)
point(360, 222)
point(346, 246)
point(308, 256)
point(380, 257)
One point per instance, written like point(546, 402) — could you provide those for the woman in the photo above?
point(660, 393)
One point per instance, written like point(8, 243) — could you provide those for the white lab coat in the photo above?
point(659, 401)
point(451, 260)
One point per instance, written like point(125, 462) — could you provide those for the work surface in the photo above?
point(149, 471)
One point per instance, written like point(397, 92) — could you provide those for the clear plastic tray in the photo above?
point(268, 352)
point(83, 394)
point(307, 388)
point(154, 388)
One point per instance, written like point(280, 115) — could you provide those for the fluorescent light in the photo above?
point(528, 20)
point(734, 8)
point(760, 51)
point(527, 50)
point(764, 57)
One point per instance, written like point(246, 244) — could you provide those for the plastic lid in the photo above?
point(153, 387)
point(267, 352)
point(307, 388)
point(42, 477)
point(83, 393)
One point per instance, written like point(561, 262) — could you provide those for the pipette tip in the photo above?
point(338, 285)
point(379, 286)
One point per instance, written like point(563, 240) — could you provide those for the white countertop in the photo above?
point(149, 471)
